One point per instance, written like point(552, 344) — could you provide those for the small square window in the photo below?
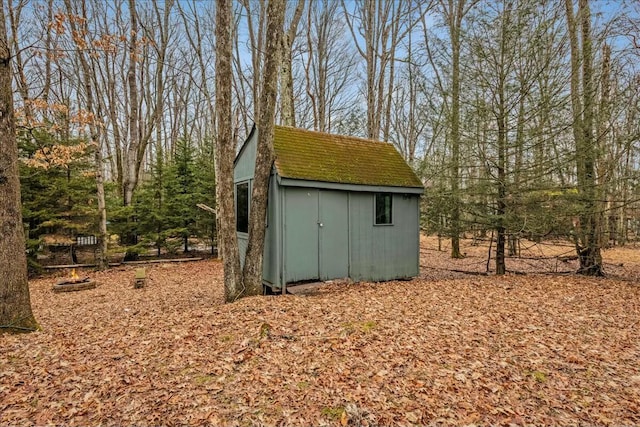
point(384, 208)
point(242, 207)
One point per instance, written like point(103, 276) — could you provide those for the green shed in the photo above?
point(339, 207)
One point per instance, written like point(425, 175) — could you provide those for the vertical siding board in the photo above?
point(361, 236)
point(242, 171)
point(245, 165)
point(294, 249)
point(354, 238)
point(334, 234)
point(242, 248)
point(283, 238)
point(301, 234)
point(276, 222)
point(270, 259)
point(349, 240)
point(377, 252)
point(407, 253)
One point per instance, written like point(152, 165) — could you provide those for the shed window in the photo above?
point(242, 207)
point(383, 208)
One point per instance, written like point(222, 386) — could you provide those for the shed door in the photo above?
point(333, 225)
point(301, 234)
point(316, 234)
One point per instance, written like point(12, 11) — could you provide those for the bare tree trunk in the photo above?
point(502, 176)
point(606, 228)
point(264, 152)
point(587, 245)
point(380, 27)
point(21, 78)
point(501, 119)
point(130, 178)
point(15, 302)
point(329, 63)
point(225, 148)
point(257, 42)
point(454, 14)
point(101, 261)
point(287, 112)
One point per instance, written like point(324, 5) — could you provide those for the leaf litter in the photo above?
point(518, 349)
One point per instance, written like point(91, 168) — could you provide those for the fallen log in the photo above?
point(54, 267)
point(115, 264)
point(160, 261)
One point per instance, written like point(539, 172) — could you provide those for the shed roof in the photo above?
point(316, 156)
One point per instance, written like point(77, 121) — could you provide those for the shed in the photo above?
point(338, 207)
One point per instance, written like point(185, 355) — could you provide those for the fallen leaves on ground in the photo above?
point(546, 257)
point(478, 350)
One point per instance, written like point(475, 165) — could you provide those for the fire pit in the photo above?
point(74, 283)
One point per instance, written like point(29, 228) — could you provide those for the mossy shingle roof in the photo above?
point(317, 156)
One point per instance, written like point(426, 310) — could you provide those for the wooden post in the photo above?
point(141, 278)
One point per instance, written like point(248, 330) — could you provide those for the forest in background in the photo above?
point(521, 117)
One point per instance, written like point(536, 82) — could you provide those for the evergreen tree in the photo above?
point(205, 185)
point(150, 205)
point(58, 191)
point(181, 209)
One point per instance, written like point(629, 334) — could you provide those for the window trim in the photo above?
point(236, 185)
point(375, 209)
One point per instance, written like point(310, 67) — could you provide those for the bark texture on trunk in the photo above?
point(15, 302)
point(102, 260)
point(456, 13)
point(225, 148)
point(101, 257)
point(287, 99)
point(129, 170)
point(583, 102)
point(264, 153)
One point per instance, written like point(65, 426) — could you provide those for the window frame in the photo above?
point(248, 205)
point(375, 209)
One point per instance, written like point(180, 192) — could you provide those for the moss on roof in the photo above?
point(317, 156)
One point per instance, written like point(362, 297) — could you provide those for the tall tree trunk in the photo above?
point(606, 224)
point(455, 15)
point(264, 153)
point(256, 34)
point(287, 100)
point(586, 240)
point(102, 260)
point(130, 176)
point(15, 302)
point(502, 188)
point(380, 28)
point(502, 123)
point(225, 147)
point(20, 74)
point(95, 139)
